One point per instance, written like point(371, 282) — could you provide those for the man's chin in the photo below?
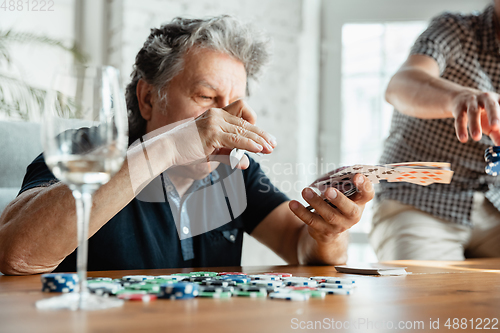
point(194, 171)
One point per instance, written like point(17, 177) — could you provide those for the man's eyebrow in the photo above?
point(206, 84)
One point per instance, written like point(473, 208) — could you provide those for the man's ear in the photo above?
point(145, 99)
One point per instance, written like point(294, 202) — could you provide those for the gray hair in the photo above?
point(161, 57)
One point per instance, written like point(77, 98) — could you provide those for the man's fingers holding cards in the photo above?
point(365, 190)
point(315, 221)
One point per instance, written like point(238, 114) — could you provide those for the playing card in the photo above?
point(420, 173)
point(422, 176)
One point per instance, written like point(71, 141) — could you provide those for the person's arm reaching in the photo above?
point(321, 237)
point(38, 229)
point(417, 90)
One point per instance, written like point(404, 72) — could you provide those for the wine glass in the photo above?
point(85, 140)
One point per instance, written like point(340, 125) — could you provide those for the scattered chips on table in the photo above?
point(181, 286)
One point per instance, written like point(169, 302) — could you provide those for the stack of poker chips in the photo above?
point(276, 286)
point(492, 158)
point(178, 290)
point(59, 282)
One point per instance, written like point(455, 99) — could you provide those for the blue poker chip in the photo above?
point(235, 278)
point(178, 290)
point(492, 157)
point(59, 282)
point(492, 168)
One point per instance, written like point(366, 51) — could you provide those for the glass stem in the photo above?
point(83, 200)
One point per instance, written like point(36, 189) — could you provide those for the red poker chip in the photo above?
point(300, 288)
point(231, 273)
point(279, 274)
point(137, 297)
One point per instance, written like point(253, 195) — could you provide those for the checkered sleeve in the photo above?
point(441, 40)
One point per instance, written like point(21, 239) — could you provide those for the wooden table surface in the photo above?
point(435, 290)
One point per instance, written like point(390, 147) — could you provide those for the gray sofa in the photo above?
point(20, 144)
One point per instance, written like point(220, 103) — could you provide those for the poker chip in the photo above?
point(104, 288)
point(224, 294)
point(222, 283)
point(137, 297)
point(299, 281)
point(281, 275)
point(230, 273)
point(160, 281)
point(59, 282)
point(331, 279)
point(264, 277)
point(148, 287)
point(178, 290)
point(336, 286)
point(170, 277)
point(332, 291)
point(200, 274)
point(215, 289)
point(249, 293)
point(492, 158)
point(130, 291)
point(99, 279)
point(130, 278)
point(289, 296)
point(236, 278)
point(269, 283)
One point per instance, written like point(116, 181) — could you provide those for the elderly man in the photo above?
point(187, 69)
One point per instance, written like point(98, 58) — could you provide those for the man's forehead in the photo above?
point(221, 87)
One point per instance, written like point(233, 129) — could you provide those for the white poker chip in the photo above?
point(336, 286)
point(332, 279)
point(332, 291)
point(173, 277)
point(281, 275)
point(289, 296)
point(269, 283)
point(299, 281)
point(264, 277)
point(137, 277)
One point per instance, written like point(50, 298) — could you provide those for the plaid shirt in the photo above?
point(468, 53)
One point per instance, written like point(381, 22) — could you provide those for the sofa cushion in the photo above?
point(20, 145)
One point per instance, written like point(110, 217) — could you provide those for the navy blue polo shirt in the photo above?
point(143, 235)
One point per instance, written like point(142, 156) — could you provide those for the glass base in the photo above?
point(72, 301)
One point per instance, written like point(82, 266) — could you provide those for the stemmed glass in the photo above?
point(85, 139)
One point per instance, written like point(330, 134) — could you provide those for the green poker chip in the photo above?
point(312, 293)
point(201, 274)
point(224, 294)
point(150, 288)
point(160, 281)
point(249, 293)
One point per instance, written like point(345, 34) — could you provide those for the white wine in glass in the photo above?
point(85, 140)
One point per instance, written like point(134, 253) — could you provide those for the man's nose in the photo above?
point(222, 102)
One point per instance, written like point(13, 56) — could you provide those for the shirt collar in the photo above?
point(197, 184)
point(488, 23)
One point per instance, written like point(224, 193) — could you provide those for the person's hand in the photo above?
point(327, 222)
point(480, 112)
point(221, 130)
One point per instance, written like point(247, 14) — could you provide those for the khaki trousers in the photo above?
point(404, 232)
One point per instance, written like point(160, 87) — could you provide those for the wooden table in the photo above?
point(434, 291)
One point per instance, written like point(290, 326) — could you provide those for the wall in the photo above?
point(285, 100)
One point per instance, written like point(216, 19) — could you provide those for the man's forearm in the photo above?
point(38, 229)
point(416, 93)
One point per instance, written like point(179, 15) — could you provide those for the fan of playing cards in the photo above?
point(420, 173)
